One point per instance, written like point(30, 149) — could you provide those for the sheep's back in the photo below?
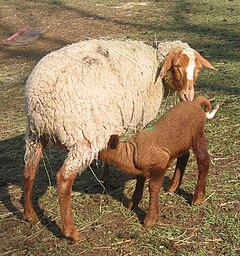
point(91, 89)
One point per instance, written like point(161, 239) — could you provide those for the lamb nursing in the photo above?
point(149, 153)
point(80, 95)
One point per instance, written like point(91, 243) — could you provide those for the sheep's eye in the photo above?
point(177, 72)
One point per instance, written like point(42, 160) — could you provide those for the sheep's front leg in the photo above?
point(137, 194)
point(179, 171)
point(64, 186)
point(33, 158)
point(203, 161)
point(155, 183)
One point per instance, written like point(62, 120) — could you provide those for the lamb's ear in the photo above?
point(167, 64)
point(113, 141)
point(204, 62)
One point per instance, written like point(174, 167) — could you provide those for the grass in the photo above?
point(107, 226)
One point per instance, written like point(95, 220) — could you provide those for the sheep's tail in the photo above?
point(207, 107)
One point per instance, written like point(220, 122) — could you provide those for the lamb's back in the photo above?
point(173, 133)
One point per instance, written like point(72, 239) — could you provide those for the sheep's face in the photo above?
point(184, 65)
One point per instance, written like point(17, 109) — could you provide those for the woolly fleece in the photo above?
point(81, 94)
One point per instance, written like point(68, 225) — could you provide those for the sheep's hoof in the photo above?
point(73, 235)
point(31, 218)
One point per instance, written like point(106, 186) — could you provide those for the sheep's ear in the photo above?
point(167, 64)
point(113, 141)
point(204, 62)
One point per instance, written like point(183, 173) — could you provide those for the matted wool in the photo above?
point(84, 92)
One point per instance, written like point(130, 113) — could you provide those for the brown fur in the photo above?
point(149, 153)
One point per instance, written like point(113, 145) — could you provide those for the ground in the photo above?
point(107, 226)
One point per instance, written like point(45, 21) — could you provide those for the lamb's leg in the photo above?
point(64, 186)
point(137, 194)
point(155, 183)
point(179, 171)
point(203, 161)
point(33, 158)
point(106, 174)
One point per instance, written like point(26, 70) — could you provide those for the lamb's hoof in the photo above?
point(172, 188)
point(132, 205)
point(73, 235)
point(31, 218)
point(150, 221)
point(197, 200)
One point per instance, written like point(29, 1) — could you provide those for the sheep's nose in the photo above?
point(187, 95)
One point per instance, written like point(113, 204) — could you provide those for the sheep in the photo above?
point(79, 95)
point(150, 152)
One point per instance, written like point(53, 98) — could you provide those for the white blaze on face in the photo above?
point(191, 64)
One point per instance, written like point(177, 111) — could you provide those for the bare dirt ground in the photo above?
point(107, 226)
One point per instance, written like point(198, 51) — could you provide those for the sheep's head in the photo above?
point(184, 66)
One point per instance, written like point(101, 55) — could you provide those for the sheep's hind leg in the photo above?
point(203, 161)
point(33, 158)
point(137, 194)
point(179, 172)
point(64, 186)
point(155, 183)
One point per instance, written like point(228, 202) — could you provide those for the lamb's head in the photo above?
point(184, 65)
point(113, 144)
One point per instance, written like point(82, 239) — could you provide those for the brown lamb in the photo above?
point(150, 152)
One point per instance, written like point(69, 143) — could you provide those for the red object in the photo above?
point(25, 36)
point(16, 35)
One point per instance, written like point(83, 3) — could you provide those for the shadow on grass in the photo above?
point(11, 175)
point(225, 89)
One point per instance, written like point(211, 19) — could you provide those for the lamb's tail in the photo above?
point(207, 106)
point(211, 114)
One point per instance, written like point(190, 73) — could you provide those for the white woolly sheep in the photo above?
point(80, 95)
